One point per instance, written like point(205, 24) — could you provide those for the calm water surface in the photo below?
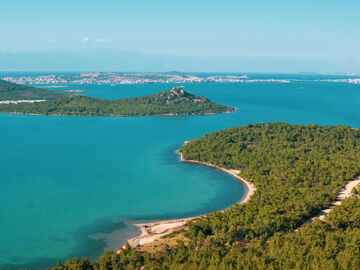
point(72, 186)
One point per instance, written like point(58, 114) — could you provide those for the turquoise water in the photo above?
point(72, 186)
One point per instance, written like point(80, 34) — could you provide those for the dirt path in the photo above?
point(344, 193)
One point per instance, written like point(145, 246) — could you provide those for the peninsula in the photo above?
point(50, 102)
point(298, 170)
point(13, 92)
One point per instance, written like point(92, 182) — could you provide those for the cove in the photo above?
point(72, 186)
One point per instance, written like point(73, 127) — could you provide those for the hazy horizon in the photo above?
point(201, 36)
point(115, 60)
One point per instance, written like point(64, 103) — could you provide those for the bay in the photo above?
point(72, 186)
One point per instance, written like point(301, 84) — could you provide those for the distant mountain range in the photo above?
point(117, 60)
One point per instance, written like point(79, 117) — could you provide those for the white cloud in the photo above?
point(85, 39)
point(101, 40)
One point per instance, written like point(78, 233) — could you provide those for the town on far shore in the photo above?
point(132, 78)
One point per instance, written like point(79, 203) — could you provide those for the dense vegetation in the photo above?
point(13, 91)
point(173, 102)
point(297, 170)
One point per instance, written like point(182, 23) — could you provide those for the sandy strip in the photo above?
point(250, 186)
point(54, 86)
point(75, 91)
point(21, 101)
point(344, 193)
point(155, 230)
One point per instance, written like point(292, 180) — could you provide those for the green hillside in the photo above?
point(298, 170)
point(172, 102)
point(13, 91)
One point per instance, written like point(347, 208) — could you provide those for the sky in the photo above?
point(305, 29)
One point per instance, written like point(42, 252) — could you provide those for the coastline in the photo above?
point(153, 231)
point(116, 115)
point(250, 186)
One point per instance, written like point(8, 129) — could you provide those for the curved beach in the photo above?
point(154, 230)
point(250, 186)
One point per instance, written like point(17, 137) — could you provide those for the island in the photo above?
point(51, 102)
point(299, 171)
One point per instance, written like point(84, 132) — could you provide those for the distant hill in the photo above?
point(173, 102)
point(12, 91)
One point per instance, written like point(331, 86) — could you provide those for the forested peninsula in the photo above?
point(13, 91)
point(173, 102)
point(297, 170)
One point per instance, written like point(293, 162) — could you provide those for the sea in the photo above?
point(74, 186)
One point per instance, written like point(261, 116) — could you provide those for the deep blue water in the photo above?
point(72, 186)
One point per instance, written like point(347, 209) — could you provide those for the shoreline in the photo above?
point(54, 86)
point(152, 231)
point(250, 186)
point(117, 115)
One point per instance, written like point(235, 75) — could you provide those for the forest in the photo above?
point(297, 170)
point(173, 102)
point(13, 91)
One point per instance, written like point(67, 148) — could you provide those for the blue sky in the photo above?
point(300, 29)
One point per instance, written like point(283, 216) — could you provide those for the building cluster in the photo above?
point(354, 81)
point(135, 78)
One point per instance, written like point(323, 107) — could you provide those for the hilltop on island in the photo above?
point(173, 102)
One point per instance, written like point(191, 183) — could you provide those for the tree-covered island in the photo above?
point(298, 170)
point(173, 102)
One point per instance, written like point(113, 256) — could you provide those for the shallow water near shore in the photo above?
point(72, 186)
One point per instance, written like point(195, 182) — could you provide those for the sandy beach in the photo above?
point(55, 86)
point(153, 231)
point(75, 91)
point(250, 186)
